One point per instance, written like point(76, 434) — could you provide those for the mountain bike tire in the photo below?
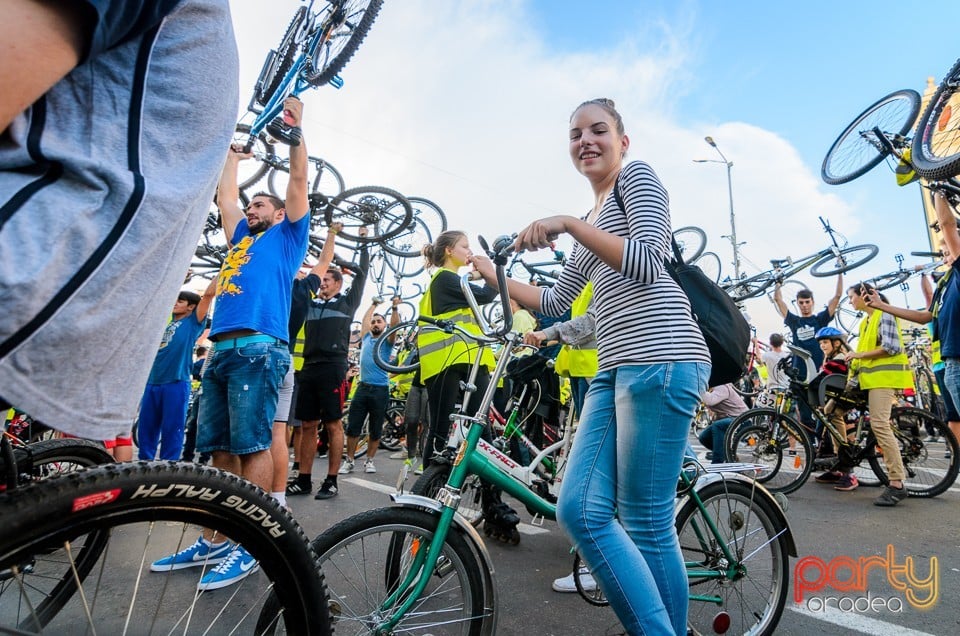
point(931, 467)
point(387, 211)
point(116, 499)
point(281, 59)
point(748, 439)
point(936, 144)
point(853, 154)
point(369, 555)
point(54, 582)
point(331, 56)
point(754, 601)
point(853, 257)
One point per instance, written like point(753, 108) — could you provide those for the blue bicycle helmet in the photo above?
point(830, 333)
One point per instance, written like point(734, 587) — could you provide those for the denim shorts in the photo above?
point(951, 379)
point(239, 394)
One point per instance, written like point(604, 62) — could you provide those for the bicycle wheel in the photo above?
point(709, 264)
point(594, 596)
point(405, 342)
point(745, 386)
point(931, 467)
point(394, 430)
point(787, 457)
point(849, 258)
point(428, 222)
point(847, 318)
point(886, 281)
point(367, 556)
point(857, 150)
point(749, 287)
point(355, 17)
point(50, 578)
point(692, 241)
point(435, 477)
point(754, 596)
point(936, 145)
point(249, 172)
point(386, 211)
point(134, 505)
point(322, 177)
point(280, 60)
point(927, 395)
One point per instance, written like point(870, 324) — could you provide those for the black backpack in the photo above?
point(721, 322)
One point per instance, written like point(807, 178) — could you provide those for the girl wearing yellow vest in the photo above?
point(881, 366)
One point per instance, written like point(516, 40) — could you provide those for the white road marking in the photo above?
point(857, 622)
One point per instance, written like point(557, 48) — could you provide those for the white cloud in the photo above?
point(462, 103)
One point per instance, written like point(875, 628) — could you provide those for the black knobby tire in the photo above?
point(404, 343)
point(852, 258)
point(42, 460)
point(54, 512)
point(435, 477)
point(931, 467)
point(856, 151)
point(333, 55)
point(936, 144)
point(386, 210)
point(751, 528)
point(366, 556)
point(257, 167)
point(282, 58)
point(692, 241)
point(788, 458)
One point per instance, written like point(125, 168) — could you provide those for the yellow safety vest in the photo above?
point(439, 349)
point(298, 347)
point(571, 361)
point(888, 372)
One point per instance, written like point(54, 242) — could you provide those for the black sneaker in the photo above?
point(299, 487)
point(891, 496)
point(328, 490)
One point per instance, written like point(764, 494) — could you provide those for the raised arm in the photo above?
point(228, 192)
point(835, 301)
point(948, 223)
point(204, 305)
point(297, 204)
point(368, 316)
point(778, 300)
point(872, 298)
point(327, 254)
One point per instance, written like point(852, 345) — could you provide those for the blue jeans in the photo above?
point(163, 414)
point(616, 503)
point(712, 439)
point(951, 379)
point(238, 398)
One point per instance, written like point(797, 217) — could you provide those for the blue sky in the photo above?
point(465, 103)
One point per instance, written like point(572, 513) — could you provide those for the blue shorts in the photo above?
point(238, 399)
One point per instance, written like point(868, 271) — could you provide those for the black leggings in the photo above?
point(443, 395)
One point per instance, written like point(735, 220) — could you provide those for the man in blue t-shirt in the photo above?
point(163, 407)
point(804, 328)
point(249, 357)
point(372, 396)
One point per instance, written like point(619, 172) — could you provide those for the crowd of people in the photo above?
point(280, 338)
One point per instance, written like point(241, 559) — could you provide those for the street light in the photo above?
point(733, 224)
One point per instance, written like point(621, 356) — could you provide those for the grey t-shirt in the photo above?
point(104, 186)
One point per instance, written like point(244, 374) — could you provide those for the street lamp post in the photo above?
point(733, 223)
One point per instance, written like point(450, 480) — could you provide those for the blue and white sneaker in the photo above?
point(237, 566)
point(199, 554)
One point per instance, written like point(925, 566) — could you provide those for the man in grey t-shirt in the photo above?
point(114, 117)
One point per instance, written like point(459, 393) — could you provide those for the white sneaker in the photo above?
point(400, 454)
point(566, 584)
point(368, 466)
point(346, 467)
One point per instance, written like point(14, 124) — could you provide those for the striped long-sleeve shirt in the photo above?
point(643, 316)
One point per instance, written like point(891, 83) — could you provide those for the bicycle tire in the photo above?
point(34, 462)
point(852, 155)
point(405, 266)
point(847, 318)
point(112, 498)
point(262, 147)
point(343, 42)
point(692, 241)
point(860, 254)
point(428, 222)
point(394, 430)
point(326, 181)
point(364, 207)
point(754, 607)
point(936, 144)
point(886, 281)
point(281, 59)
point(929, 471)
point(709, 264)
point(749, 439)
point(435, 477)
point(744, 386)
point(926, 387)
point(595, 597)
point(367, 555)
point(407, 343)
point(749, 287)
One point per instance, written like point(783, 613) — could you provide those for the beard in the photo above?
point(260, 225)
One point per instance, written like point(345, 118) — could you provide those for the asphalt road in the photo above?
point(827, 524)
